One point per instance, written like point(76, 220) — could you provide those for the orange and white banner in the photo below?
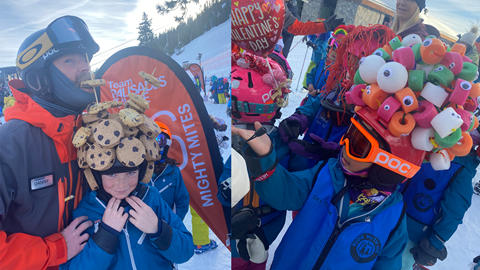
point(177, 104)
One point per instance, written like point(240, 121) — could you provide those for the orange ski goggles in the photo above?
point(361, 145)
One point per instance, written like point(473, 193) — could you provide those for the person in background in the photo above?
point(468, 39)
point(317, 77)
point(407, 18)
point(319, 45)
point(287, 37)
point(431, 226)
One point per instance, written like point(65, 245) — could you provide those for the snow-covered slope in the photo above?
point(215, 48)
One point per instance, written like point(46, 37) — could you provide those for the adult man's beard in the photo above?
point(84, 76)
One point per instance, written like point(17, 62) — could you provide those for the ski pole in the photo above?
point(294, 46)
point(302, 69)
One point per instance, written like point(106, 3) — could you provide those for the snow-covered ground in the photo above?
point(464, 244)
point(215, 61)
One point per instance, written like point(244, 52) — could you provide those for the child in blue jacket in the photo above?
point(436, 204)
point(167, 177)
point(352, 216)
point(134, 228)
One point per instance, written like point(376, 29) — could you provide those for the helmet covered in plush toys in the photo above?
point(118, 142)
point(258, 91)
point(422, 91)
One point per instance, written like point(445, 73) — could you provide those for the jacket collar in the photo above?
point(59, 129)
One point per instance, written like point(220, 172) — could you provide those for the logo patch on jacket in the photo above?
point(41, 182)
point(365, 248)
point(422, 202)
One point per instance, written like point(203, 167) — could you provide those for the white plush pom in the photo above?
point(392, 77)
point(411, 40)
point(421, 138)
point(446, 122)
point(440, 161)
point(435, 94)
point(369, 67)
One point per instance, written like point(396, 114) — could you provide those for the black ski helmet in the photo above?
point(67, 34)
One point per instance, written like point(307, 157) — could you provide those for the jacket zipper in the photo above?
point(167, 186)
point(333, 237)
point(127, 236)
point(339, 228)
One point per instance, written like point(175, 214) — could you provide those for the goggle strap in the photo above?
point(393, 163)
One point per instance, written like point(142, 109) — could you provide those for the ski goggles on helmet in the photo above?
point(69, 32)
point(163, 140)
point(65, 33)
point(332, 42)
point(363, 146)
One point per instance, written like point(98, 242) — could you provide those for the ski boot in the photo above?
point(210, 246)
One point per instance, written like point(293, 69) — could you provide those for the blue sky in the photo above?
point(114, 23)
point(111, 23)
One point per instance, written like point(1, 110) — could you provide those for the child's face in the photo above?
point(332, 55)
point(353, 165)
point(120, 185)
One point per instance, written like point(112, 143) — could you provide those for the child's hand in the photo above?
point(260, 145)
point(114, 215)
point(142, 215)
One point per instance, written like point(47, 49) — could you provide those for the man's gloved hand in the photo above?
point(293, 126)
point(311, 44)
point(318, 149)
point(332, 23)
point(426, 254)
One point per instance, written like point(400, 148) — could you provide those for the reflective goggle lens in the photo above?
point(162, 140)
point(69, 32)
point(64, 31)
point(358, 145)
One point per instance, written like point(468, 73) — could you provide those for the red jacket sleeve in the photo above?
point(23, 251)
point(306, 28)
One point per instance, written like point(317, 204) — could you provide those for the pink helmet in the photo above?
point(253, 86)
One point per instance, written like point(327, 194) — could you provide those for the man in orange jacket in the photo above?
point(40, 181)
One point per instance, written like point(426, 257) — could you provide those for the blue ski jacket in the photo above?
point(438, 200)
point(321, 42)
point(361, 238)
point(135, 249)
point(318, 75)
point(173, 190)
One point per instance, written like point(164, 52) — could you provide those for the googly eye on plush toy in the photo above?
point(427, 42)
point(446, 122)
point(453, 61)
point(383, 54)
point(432, 51)
point(411, 39)
point(392, 77)
point(395, 43)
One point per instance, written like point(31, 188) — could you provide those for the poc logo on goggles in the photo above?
point(393, 163)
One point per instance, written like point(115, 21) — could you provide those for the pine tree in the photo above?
point(173, 5)
point(145, 33)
